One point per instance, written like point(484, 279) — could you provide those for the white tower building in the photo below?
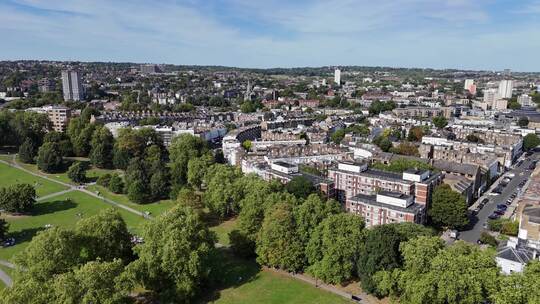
point(337, 76)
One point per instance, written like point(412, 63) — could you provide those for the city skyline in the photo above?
point(460, 34)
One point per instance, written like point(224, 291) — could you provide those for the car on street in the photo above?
point(502, 207)
point(499, 212)
point(493, 216)
point(9, 242)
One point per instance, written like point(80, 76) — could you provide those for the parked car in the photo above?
point(9, 242)
point(499, 212)
point(502, 207)
point(493, 216)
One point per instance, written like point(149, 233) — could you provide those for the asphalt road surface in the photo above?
point(480, 220)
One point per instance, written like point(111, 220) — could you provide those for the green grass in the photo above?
point(92, 174)
point(222, 231)
point(243, 281)
point(10, 175)
point(59, 213)
point(155, 209)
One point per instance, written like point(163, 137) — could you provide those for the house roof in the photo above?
point(454, 167)
point(515, 254)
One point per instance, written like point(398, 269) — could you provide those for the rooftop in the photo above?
point(372, 200)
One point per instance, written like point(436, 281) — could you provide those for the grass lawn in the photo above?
point(155, 209)
point(92, 174)
point(222, 230)
point(10, 175)
point(58, 212)
point(244, 282)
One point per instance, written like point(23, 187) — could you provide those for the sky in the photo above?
point(463, 34)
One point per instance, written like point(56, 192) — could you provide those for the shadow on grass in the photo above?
point(52, 207)
point(229, 272)
point(25, 235)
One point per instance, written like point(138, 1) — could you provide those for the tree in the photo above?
point(49, 158)
point(277, 243)
point(415, 134)
point(380, 251)
point(519, 288)
point(530, 141)
point(62, 140)
point(94, 282)
point(116, 183)
point(300, 186)
point(197, 169)
point(221, 196)
point(17, 198)
point(188, 198)
point(439, 122)
point(104, 180)
point(27, 152)
point(106, 236)
point(51, 252)
point(4, 227)
point(406, 148)
point(338, 136)
point(247, 145)
point(184, 148)
point(311, 213)
point(473, 138)
point(138, 192)
point(102, 144)
point(523, 122)
point(448, 208)
point(461, 273)
point(77, 172)
point(159, 185)
point(174, 259)
point(333, 248)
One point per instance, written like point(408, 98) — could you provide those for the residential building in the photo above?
point(72, 85)
point(505, 88)
point(59, 117)
point(525, 101)
point(46, 85)
point(337, 76)
point(149, 69)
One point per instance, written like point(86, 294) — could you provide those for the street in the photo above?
point(522, 173)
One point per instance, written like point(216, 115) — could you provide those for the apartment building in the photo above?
point(362, 190)
point(59, 117)
point(424, 112)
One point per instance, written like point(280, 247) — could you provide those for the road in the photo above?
point(521, 173)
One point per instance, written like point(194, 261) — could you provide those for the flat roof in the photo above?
point(372, 200)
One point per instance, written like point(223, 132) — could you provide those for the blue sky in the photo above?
point(468, 34)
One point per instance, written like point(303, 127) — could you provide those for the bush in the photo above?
point(104, 180)
point(116, 184)
point(77, 172)
point(488, 239)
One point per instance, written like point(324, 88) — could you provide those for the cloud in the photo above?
point(424, 33)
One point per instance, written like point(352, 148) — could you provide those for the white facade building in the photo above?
point(72, 86)
point(505, 88)
point(337, 76)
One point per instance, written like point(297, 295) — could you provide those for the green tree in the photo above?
point(519, 288)
point(102, 144)
point(312, 212)
point(338, 136)
point(104, 180)
point(461, 273)
point(300, 186)
point(523, 122)
point(106, 237)
point(27, 152)
point(247, 145)
point(184, 148)
point(93, 283)
point(77, 172)
point(278, 245)
point(333, 248)
point(415, 134)
point(17, 198)
point(448, 208)
point(159, 185)
point(49, 159)
point(116, 183)
point(188, 198)
point(221, 196)
point(197, 169)
point(51, 252)
point(174, 259)
point(530, 141)
point(4, 228)
point(62, 140)
point(439, 122)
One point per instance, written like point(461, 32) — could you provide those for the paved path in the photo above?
point(73, 188)
point(362, 298)
point(42, 198)
point(6, 279)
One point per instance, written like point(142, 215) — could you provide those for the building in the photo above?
point(525, 101)
point(468, 84)
point(46, 85)
point(72, 85)
point(505, 88)
point(490, 95)
point(499, 104)
point(357, 186)
point(386, 208)
point(59, 117)
point(337, 76)
point(513, 258)
point(149, 69)
point(423, 112)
